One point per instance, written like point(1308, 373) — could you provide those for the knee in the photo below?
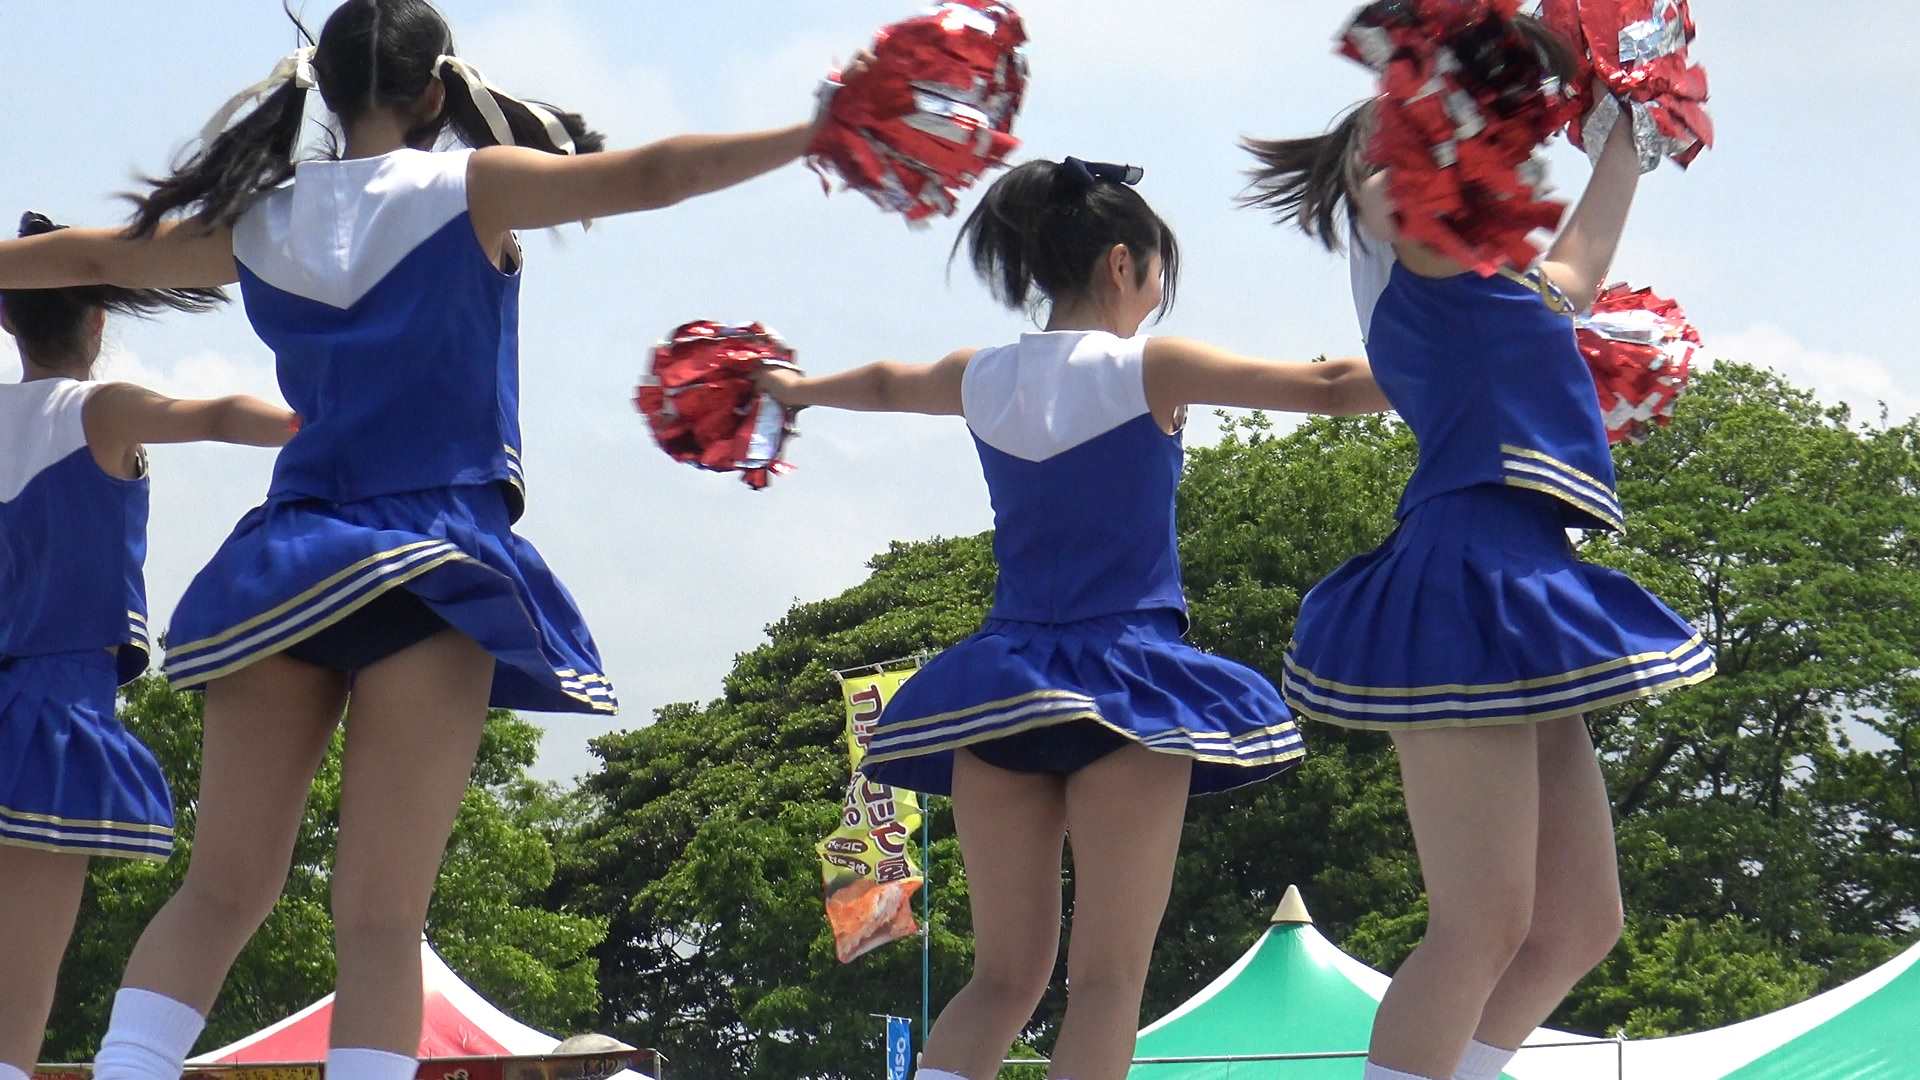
point(1014, 987)
point(1481, 940)
point(1577, 941)
point(1118, 975)
point(237, 893)
point(362, 909)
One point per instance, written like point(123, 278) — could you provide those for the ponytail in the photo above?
point(1039, 231)
point(48, 321)
point(1310, 182)
point(217, 184)
point(482, 114)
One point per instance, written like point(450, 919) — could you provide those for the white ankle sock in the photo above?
point(360, 1064)
point(8, 1072)
point(1482, 1062)
point(936, 1074)
point(148, 1037)
point(1381, 1072)
point(356, 1063)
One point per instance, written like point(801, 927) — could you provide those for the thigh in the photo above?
point(1473, 799)
point(39, 897)
point(1012, 828)
point(266, 729)
point(1577, 879)
point(413, 728)
point(1124, 817)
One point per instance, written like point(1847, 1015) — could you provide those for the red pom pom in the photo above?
point(931, 113)
point(1465, 99)
point(1638, 50)
point(1640, 348)
point(702, 403)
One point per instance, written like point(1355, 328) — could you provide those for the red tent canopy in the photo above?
point(457, 1022)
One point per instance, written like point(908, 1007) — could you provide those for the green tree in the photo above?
point(486, 919)
point(1767, 819)
point(700, 853)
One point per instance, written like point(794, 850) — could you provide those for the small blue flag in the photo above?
point(899, 1047)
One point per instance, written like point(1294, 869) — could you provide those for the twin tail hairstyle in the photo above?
point(370, 53)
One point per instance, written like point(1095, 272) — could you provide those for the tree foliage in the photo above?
point(1767, 819)
point(486, 920)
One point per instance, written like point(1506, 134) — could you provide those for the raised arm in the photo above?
point(1182, 372)
point(886, 386)
point(1583, 251)
point(176, 256)
point(516, 188)
point(121, 416)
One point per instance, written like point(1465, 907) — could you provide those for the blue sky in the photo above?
point(1781, 243)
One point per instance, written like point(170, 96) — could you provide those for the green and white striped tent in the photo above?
point(1294, 993)
point(1866, 1029)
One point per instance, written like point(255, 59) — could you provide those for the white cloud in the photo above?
point(544, 50)
point(200, 374)
point(1863, 382)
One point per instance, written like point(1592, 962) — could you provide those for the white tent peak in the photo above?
point(1292, 910)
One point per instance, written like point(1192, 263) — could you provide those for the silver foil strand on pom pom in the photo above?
point(1650, 39)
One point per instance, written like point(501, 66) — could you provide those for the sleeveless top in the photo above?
point(1081, 477)
point(395, 336)
point(1489, 378)
point(73, 538)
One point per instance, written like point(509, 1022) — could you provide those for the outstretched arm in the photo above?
point(517, 188)
point(121, 416)
point(176, 256)
point(1580, 256)
point(887, 386)
point(1182, 372)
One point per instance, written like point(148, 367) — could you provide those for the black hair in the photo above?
point(48, 322)
point(1311, 181)
point(1042, 228)
point(370, 53)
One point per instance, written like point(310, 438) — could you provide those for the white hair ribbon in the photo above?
point(295, 67)
point(485, 97)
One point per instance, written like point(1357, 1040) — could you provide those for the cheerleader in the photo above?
point(1077, 708)
point(1474, 636)
point(381, 577)
point(74, 784)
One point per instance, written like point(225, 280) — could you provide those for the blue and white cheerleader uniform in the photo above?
point(390, 513)
point(1476, 610)
point(1082, 652)
point(73, 628)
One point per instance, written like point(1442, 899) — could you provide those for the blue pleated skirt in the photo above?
point(1130, 674)
point(1475, 612)
point(72, 780)
point(295, 567)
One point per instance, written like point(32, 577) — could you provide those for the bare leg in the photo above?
point(1124, 815)
point(266, 732)
point(39, 897)
point(413, 729)
point(1473, 796)
point(1012, 827)
point(1576, 898)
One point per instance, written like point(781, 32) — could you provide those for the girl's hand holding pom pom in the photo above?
point(1637, 52)
point(709, 401)
point(1640, 349)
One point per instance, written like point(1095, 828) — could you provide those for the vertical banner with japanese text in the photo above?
point(866, 864)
